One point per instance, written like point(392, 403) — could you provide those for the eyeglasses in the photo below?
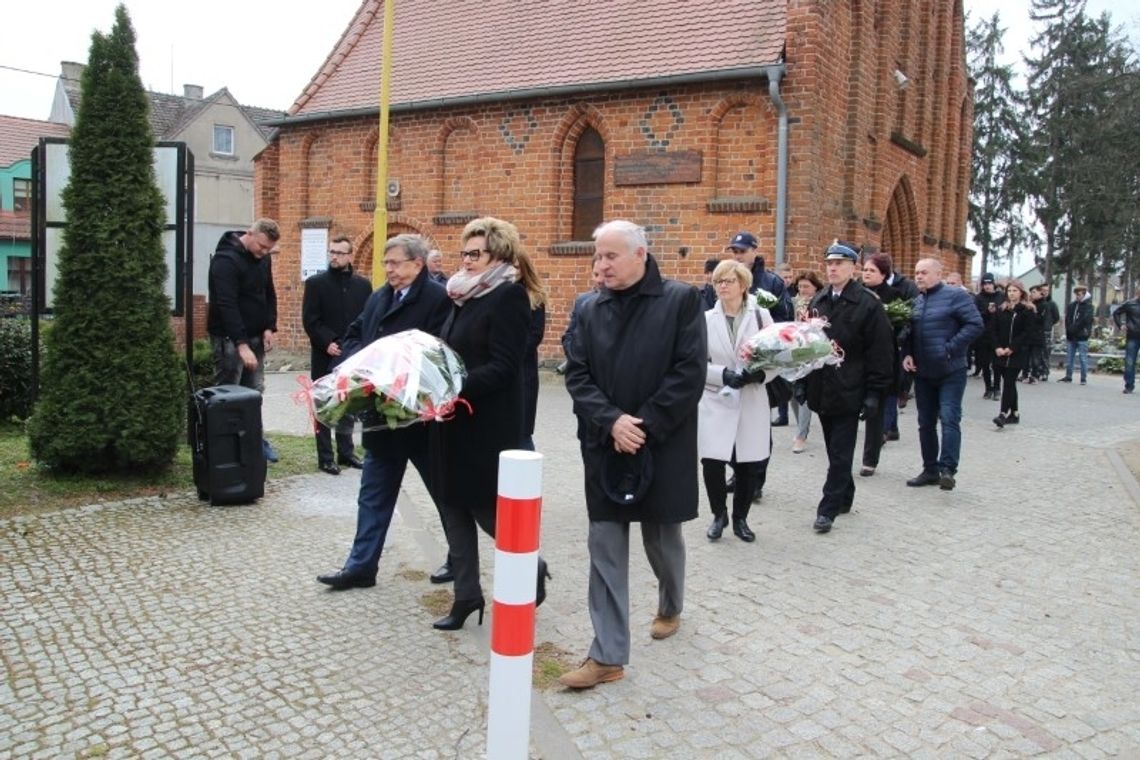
point(474, 254)
point(393, 263)
point(726, 283)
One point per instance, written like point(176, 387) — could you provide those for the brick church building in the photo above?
point(799, 120)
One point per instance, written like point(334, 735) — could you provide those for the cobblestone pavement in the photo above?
point(997, 620)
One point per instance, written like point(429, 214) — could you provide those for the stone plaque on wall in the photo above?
point(650, 167)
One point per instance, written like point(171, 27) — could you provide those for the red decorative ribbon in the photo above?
point(444, 411)
point(305, 397)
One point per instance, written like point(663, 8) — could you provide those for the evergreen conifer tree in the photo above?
point(112, 394)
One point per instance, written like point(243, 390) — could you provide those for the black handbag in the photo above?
point(779, 392)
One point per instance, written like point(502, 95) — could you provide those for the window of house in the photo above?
point(19, 274)
point(22, 196)
point(223, 140)
point(589, 183)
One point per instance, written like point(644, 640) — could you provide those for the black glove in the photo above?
point(870, 406)
point(753, 376)
point(732, 378)
point(799, 392)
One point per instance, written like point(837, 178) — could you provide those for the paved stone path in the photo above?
point(997, 620)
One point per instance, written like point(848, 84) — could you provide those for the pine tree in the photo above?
point(112, 395)
point(999, 186)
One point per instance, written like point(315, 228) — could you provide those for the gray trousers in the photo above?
point(608, 598)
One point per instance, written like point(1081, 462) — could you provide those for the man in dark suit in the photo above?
point(333, 298)
point(858, 324)
point(408, 300)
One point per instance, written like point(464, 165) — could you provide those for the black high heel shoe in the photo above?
point(460, 611)
point(540, 589)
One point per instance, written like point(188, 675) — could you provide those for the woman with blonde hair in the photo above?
point(536, 292)
point(733, 420)
point(1012, 335)
point(492, 296)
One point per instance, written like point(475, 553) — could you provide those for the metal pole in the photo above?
point(380, 214)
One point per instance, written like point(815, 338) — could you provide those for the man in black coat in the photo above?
point(638, 360)
point(333, 298)
point(408, 300)
point(988, 303)
point(859, 325)
point(242, 314)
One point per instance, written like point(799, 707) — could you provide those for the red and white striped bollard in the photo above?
point(517, 527)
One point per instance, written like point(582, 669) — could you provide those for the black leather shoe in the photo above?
point(343, 579)
point(443, 574)
point(353, 461)
point(719, 523)
point(822, 524)
point(329, 467)
point(924, 479)
point(946, 480)
point(460, 611)
point(742, 531)
point(1013, 419)
point(1000, 421)
point(780, 422)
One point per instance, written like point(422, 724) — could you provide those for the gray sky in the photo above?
point(264, 52)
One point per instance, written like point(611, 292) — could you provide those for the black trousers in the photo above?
point(873, 437)
point(985, 360)
point(839, 434)
point(1009, 390)
point(713, 472)
point(344, 446)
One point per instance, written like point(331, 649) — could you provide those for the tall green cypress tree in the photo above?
point(112, 395)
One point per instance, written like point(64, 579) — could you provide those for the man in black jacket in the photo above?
point(333, 299)
point(745, 248)
point(859, 325)
point(1127, 317)
point(636, 401)
point(1078, 328)
point(242, 313)
point(409, 299)
point(988, 302)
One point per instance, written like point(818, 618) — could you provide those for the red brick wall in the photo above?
point(178, 324)
point(515, 160)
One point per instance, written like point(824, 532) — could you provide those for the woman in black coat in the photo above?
point(1012, 335)
point(488, 325)
point(884, 423)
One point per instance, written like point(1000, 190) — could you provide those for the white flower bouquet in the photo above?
point(393, 382)
point(791, 349)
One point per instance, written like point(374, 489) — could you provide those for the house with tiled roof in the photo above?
point(224, 136)
point(801, 121)
point(17, 138)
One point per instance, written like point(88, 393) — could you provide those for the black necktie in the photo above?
point(400, 295)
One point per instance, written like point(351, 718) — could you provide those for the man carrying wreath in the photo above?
point(859, 326)
point(408, 300)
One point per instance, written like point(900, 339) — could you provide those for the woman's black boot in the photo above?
point(460, 611)
point(540, 588)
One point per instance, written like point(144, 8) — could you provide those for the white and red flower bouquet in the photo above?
point(393, 382)
point(790, 349)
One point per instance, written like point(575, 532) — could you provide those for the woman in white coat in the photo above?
point(734, 418)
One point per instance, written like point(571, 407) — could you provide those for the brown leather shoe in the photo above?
point(664, 627)
point(591, 673)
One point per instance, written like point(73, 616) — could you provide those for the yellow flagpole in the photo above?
point(380, 215)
